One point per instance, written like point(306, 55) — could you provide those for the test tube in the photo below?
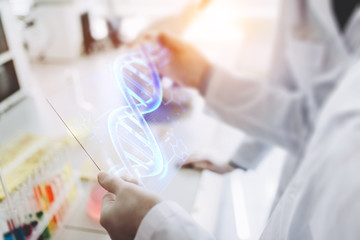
point(14, 226)
point(6, 232)
point(27, 227)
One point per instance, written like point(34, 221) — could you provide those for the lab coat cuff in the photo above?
point(214, 79)
point(249, 155)
point(155, 218)
point(204, 84)
point(236, 165)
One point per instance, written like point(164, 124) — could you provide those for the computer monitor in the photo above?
point(10, 64)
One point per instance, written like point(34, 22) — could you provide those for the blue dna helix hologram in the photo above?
point(132, 138)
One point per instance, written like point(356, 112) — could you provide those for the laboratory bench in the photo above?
point(240, 201)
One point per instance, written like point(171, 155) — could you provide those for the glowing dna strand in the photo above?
point(138, 150)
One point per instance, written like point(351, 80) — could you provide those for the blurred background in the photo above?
point(240, 32)
point(63, 44)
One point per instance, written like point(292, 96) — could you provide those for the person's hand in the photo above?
point(205, 164)
point(187, 65)
point(174, 25)
point(124, 206)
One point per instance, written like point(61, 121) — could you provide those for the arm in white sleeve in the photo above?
point(271, 110)
point(265, 111)
point(167, 220)
point(252, 151)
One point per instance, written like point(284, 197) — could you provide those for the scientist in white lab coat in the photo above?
point(321, 201)
point(314, 43)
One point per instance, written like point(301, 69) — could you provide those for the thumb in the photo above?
point(110, 182)
point(171, 43)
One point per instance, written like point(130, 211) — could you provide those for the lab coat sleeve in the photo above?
point(167, 220)
point(279, 72)
point(271, 113)
point(250, 153)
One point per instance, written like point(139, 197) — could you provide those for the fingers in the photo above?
point(171, 43)
point(110, 182)
point(129, 179)
point(199, 165)
point(107, 204)
point(108, 198)
point(188, 165)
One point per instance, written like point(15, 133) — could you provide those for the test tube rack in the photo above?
point(29, 163)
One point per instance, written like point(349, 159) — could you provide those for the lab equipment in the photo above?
point(93, 207)
point(73, 134)
point(53, 30)
point(11, 79)
point(14, 228)
point(39, 180)
point(40, 186)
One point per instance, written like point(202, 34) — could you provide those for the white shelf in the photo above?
point(5, 57)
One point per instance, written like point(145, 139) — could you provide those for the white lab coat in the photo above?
point(252, 150)
point(322, 199)
point(310, 55)
point(315, 53)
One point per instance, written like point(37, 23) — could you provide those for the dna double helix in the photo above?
point(132, 138)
